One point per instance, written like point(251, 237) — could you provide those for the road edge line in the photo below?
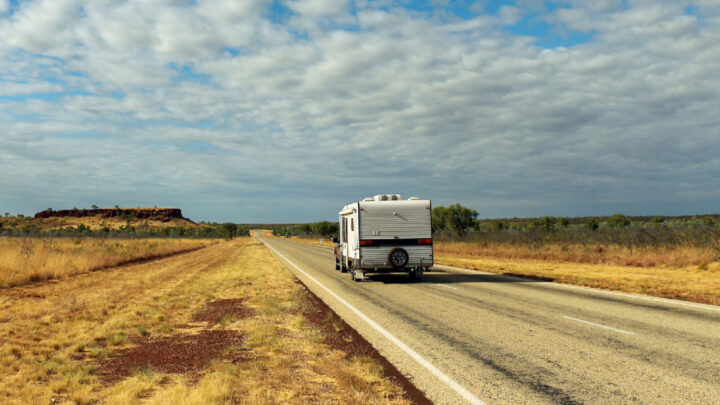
point(454, 385)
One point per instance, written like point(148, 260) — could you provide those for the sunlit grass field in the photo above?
point(57, 339)
point(610, 254)
point(26, 260)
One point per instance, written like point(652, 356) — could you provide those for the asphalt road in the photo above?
point(463, 336)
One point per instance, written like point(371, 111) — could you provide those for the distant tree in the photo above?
point(94, 206)
point(545, 223)
point(455, 218)
point(75, 208)
point(7, 214)
point(117, 207)
point(563, 222)
point(618, 221)
point(709, 221)
point(592, 224)
point(49, 210)
point(497, 225)
point(21, 215)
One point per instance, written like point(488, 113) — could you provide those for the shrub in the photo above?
point(497, 225)
point(592, 224)
point(618, 221)
point(545, 223)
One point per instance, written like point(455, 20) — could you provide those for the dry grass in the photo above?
point(26, 260)
point(650, 256)
point(696, 283)
point(54, 336)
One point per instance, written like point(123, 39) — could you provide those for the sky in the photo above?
point(262, 111)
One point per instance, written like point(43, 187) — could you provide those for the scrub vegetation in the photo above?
point(225, 324)
point(119, 227)
point(614, 240)
point(313, 230)
point(26, 260)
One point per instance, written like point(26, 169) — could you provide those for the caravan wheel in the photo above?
point(398, 258)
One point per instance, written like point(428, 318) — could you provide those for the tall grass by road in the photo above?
point(673, 243)
point(26, 260)
point(233, 305)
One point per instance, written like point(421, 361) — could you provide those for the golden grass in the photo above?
point(54, 335)
point(690, 283)
point(26, 260)
point(678, 256)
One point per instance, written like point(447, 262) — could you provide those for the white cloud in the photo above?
point(453, 110)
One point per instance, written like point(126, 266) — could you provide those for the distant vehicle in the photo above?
point(385, 234)
point(287, 236)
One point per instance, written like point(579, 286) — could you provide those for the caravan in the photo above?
point(385, 234)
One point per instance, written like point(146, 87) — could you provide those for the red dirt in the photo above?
point(216, 310)
point(341, 336)
point(180, 354)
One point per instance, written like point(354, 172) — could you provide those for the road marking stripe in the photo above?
point(446, 286)
point(577, 287)
point(410, 352)
point(598, 325)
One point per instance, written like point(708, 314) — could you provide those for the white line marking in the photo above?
point(446, 286)
point(598, 325)
point(410, 352)
point(577, 287)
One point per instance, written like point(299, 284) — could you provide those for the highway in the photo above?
point(468, 337)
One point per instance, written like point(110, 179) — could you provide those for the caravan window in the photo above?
point(344, 229)
point(352, 224)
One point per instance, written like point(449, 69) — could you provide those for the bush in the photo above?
point(455, 218)
point(592, 224)
point(618, 221)
point(545, 223)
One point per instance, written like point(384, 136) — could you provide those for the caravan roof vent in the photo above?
point(368, 199)
point(387, 197)
point(413, 198)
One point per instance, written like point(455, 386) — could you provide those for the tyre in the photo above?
point(398, 258)
point(343, 267)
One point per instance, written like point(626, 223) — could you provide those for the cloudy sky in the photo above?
point(276, 111)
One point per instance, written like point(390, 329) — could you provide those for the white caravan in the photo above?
point(385, 234)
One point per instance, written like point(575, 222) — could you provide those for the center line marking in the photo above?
point(446, 286)
point(598, 325)
point(454, 385)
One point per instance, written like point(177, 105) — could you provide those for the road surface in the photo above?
point(463, 336)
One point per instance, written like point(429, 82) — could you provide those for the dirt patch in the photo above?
point(341, 336)
point(179, 354)
point(228, 308)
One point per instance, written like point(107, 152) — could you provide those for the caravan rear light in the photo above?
point(366, 243)
point(424, 241)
